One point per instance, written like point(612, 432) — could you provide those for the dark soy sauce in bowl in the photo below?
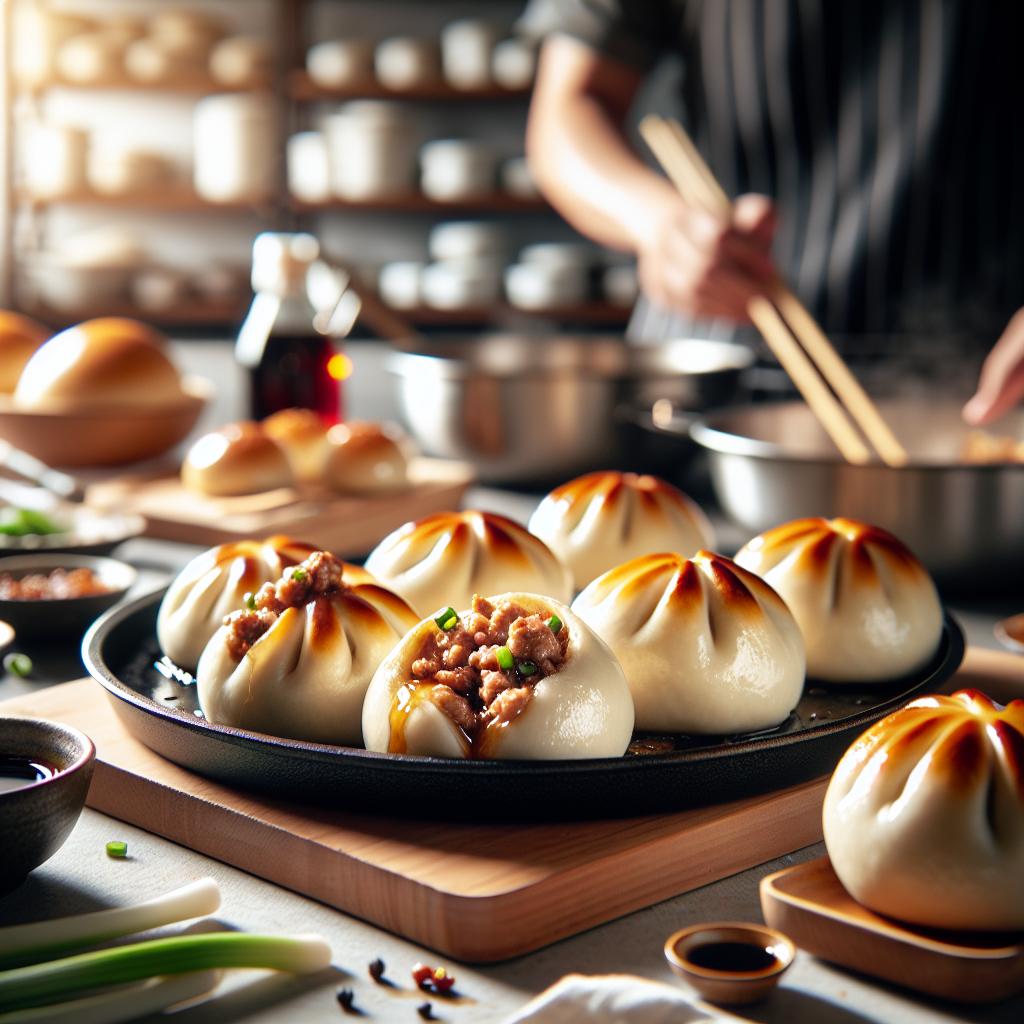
point(733, 957)
point(18, 772)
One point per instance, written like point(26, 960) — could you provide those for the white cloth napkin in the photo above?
point(613, 999)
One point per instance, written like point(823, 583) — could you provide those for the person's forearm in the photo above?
point(581, 159)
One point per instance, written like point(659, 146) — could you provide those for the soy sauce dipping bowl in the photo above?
point(724, 984)
point(66, 618)
point(37, 817)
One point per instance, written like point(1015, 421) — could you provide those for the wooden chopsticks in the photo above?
point(834, 395)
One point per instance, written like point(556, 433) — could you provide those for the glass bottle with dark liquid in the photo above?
point(289, 364)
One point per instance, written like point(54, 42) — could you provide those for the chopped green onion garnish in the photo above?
point(299, 574)
point(448, 619)
point(117, 848)
point(250, 601)
point(555, 624)
point(505, 659)
point(18, 664)
point(526, 668)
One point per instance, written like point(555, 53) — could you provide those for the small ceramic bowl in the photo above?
point(63, 617)
point(38, 814)
point(731, 963)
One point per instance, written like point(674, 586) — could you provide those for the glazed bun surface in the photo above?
point(365, 458)
point(603, 519)
point(303, 436)
point(20, 337)
point(448, 557)
point(100, 363)
point(214, 584)
point(707, 647)
point(581, 710)
point(868, 609)
point(236, 459)
point(305, 677)
point(924, 816)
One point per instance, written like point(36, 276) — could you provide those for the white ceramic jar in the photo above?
point(468, 240)
point(536, 286)
point(234, 148)
point(457, 169)
point(55, 160)
point(242, 62)
point(514, 64)
point(91, 58)
point(339, 63)
point(309, 174)
point(407, 62)
point(118, 172)
point(399, 284)
point(461, 284)
point(371, 150)
point(467, 46)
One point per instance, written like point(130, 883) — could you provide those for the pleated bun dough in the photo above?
point(306, 676)
point(111, 361)
point(215, 583)
point(582, 710)
point(867, 607)
point(924, 816)
point(238, 458)
point(448, 557)
point(603, 519)
point(707, 647)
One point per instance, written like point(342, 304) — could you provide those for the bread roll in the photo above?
point(236, 459)
point(574, 705)
point(601, 520)
point(100, 363)
point(448, 557)
point(867, 608)
point(707, 647)
point(303, 436)
point(20, 336)
point(924, 816)
point(365, 458)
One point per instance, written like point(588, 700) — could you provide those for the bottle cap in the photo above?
point(280, 261)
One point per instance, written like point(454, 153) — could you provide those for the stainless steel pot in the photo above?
point(773, 463)
point(531, 408)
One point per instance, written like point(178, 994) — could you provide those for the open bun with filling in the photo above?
point(20, 337)
point(513, 676)
point(924, 816)
point(215, 583)
point(707, 647)
point(448, 557)
point(868, 609)
point(297, 659)
point(603, 519)
point(99, 364)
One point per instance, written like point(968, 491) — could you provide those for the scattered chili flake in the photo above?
point(426, 1011)
point(346, 1000)
point(376, 970)
point(433, 979)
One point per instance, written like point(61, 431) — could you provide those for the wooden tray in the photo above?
point(478, 893)
point(348, 525)
point(809, 904)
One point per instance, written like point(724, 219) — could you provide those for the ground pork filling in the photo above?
point(463, 664)
point(320, 575)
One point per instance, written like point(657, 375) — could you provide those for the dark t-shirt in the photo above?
point(890, 134)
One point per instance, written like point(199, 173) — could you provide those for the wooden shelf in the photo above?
point(198, 85)
point(192, 313)
point(495, 202)
point(304, 89)
point(161, 200)
point(592, 313)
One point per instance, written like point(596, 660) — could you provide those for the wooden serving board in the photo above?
point(478, 893)
point(348, 525)
point(809, 904)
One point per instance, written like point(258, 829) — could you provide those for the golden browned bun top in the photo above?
point(103, 362)
point(20, 336)
point(237, 458)
point(364, 458)
point(303, 436)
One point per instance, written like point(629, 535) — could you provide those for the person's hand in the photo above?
point(706, 268)
point(1001, 383)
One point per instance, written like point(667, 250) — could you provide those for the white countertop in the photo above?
point(81, 877)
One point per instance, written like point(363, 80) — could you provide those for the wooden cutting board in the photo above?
point(478, 893)
point(348, 525)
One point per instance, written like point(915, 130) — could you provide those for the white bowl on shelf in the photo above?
point(371, 149)
point(400, 283)
point(457, 169)
point(466, 49)
point(536, 286)
point(407, 62)
point(309, 171)
point(461, 284)
point(467, 240)
point(516, 178)
point(340, 63)
point(513, 64)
